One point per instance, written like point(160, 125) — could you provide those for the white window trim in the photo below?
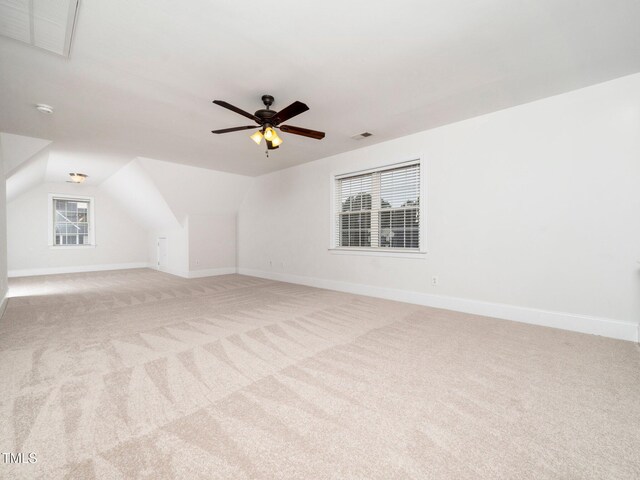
point(382, 252)
point(92, 221)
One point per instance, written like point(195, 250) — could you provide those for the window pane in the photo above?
point(355, 193)
point(392, 196)
point(400, 187)
point(412, 239)
point(355, 229)
point(71, 222)
point(400, 228)
point(365, 235)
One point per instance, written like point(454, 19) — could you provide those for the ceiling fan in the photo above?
point(269, 120)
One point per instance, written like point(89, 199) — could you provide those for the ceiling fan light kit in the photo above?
point(270, 120)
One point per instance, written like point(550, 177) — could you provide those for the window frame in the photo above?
point(51, 220)
point(334, 248)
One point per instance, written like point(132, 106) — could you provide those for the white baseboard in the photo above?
point(212, 272)
point(3, 303)
point(605, 327)
point(171, 271)
point(30, 272)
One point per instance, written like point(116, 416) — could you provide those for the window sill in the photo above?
point(68, 247)
point(379, 252)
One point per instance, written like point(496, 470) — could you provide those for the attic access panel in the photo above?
point(45, 24)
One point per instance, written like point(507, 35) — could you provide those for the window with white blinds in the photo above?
point(379, 209)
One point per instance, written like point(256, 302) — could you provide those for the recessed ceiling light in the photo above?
point(43, 108)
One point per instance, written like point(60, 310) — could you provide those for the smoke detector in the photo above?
point(44, 108)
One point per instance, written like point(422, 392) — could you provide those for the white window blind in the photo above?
point(379, 209)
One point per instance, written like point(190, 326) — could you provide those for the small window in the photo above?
point(379, 209)
point(72, 221)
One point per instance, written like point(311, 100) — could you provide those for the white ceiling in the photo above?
point(141, 75)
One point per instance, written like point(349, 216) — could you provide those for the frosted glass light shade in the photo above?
point(270, 134)
point(277, 141)
point(257, 137)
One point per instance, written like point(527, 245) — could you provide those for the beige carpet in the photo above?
point(139, 374)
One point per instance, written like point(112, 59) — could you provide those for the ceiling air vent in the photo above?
point(45, 24)
point(362, 135)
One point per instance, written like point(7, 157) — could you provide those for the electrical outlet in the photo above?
point(434, 281)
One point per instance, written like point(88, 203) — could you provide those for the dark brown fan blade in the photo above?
point(296, 108)
point(305, 132)
point(224, 104)
point(270, 145)
point(234, 129)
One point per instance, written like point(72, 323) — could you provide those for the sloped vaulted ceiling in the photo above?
point(17, 149)
point(132, 187)
point(25, 162)
point(162, 194)
point(141, 75)
point(197, 191)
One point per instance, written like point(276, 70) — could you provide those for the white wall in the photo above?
point(177, 248)
point(120, 241)
point(212, 243)
point(204, 245)
point(206, 202)
point(534, 206)
point(3, 236)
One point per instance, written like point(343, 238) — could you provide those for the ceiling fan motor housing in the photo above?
point(265, 115)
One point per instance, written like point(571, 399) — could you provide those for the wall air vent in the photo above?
point(46, 24)
point(362, 135)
